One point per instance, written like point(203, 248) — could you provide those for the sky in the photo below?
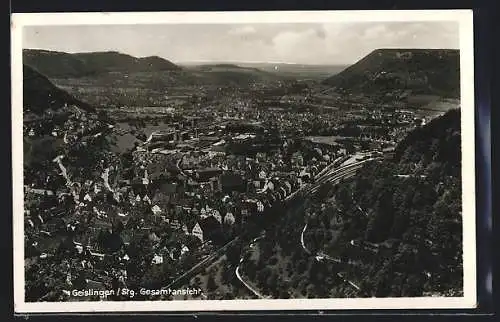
point(304, 43)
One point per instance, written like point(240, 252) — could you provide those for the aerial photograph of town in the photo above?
point(239, 161)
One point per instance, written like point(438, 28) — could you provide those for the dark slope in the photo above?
point(414, 209)
point(437, 142)
point(417, 71)
point(65, 146)
point(39, 94)
point(47, 110)
point(62, 65)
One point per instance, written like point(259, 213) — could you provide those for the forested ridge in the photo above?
point(409, 213)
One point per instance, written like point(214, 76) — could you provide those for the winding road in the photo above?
point(319, 256)
point(302, 240)
point(64, 174)
point(248, 286)
point(105, 178)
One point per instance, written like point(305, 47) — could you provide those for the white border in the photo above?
point(463, 17)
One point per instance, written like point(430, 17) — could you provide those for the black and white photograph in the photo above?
point(243, 161)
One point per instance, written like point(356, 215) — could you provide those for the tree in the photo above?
point(301, 266)
point(311, 291)
point(228, 296)
point(211, 285)
point(251, 268)
point(227, 274)
point(154, 277)
point(142, 136)
point(263, 275)
point(273, 260)
point(233, 254)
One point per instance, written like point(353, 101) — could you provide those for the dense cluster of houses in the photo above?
point(183, 181)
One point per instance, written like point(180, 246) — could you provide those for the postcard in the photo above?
point(243, 161)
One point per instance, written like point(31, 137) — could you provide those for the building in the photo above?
point(156, 210)
point(184, 250)
point(229, 219)
point(157, 260)
point(260, 206)
point(204, 175)
point(174, 224)
point(288, 186)
point(216, 214)
point(146, 199)
point(197, 231)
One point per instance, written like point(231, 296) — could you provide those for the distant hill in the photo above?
point(135, 88)
point(211, 66)
point(39, 94)
point(61, 65)
point(290, 70)
point(232, 74)
point(298, 71)
point(406, 71)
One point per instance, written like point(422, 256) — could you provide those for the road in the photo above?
point(248, 286)
point(64, 174)
point(335, 176)
point(302, 240)
point(105, 178)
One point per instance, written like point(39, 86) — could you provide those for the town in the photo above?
point(189, 181)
